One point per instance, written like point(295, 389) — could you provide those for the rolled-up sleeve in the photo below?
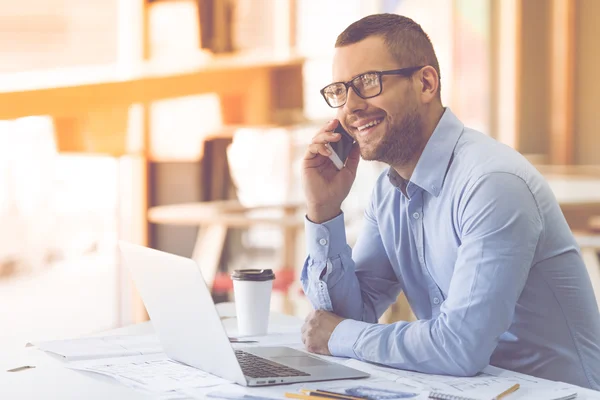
point(325, 242)
point(357, 284)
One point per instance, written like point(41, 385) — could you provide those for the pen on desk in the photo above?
point(23, 368)
point(508, 391)
point(331, 395)
point(306, 396)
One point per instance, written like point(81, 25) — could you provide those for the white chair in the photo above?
point(27, 159)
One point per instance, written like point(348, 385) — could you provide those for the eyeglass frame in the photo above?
point(408, 71)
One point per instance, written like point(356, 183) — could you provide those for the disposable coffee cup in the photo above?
point(252, 290)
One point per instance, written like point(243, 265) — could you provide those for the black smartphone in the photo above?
point(340, 149)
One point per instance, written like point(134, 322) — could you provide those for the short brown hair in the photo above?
point(405, 39)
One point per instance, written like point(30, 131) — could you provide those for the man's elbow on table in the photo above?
point(425, 346)
point(468, 367)
point(464, 356)
point(450, 363)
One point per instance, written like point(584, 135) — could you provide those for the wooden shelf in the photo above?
point(71, 92)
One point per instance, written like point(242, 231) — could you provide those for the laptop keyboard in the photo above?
point(258, 367)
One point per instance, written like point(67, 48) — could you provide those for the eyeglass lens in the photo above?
point(367, 85)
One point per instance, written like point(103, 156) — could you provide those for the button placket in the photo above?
point(418, 217)
point(436, 297)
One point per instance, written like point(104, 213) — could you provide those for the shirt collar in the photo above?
point(431, 169)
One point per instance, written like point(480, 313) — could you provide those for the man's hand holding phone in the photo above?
point(326, 186)
point(340, 149)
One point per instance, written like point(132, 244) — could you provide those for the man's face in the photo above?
point(387, 127)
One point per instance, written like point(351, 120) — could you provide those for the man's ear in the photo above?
point(429, 82)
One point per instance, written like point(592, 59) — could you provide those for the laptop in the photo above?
point(190, 330)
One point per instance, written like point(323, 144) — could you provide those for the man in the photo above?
point(464, 225)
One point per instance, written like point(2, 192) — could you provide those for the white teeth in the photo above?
point(370, 124)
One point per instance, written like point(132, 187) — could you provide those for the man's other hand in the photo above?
point(317, 330)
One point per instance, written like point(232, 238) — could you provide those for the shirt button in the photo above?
point(436, 301)
point(323, 242)
point(416, 215)
point(422, 259)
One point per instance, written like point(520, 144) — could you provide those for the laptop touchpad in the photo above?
point(300, 361)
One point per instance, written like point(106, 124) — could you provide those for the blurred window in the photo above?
point(44, 34)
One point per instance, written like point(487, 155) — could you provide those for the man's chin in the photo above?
point(370, 151)
point(368, 155)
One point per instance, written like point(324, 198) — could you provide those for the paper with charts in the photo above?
point(530, 387)
point(154, 373)
point(373, 388)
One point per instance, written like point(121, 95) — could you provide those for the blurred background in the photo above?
point(179, 124)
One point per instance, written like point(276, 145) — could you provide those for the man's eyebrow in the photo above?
point(356, 76)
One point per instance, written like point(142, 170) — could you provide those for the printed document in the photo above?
point(154, 372)
point(530, 387)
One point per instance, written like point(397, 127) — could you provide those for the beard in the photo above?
point(400, 142)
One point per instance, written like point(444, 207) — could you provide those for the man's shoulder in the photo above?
point(477, 155)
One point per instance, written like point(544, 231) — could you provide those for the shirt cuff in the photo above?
point(344, 337)
point(326, 240)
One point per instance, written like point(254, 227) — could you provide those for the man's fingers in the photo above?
point(316, 148)
point(326, 137)
point(304, 329)
point(326, 134)
point(321, 139)
point(309, 155)
point(353, 158)
point(331, 125)
point(309, 316)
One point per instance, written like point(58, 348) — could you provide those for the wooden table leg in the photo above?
point(399, 311)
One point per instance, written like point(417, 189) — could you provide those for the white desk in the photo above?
point(577, 190)
point(51, 380)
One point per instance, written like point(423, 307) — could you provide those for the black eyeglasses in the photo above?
point(366, 85)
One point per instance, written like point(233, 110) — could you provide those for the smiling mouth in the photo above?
point(369, 125)
point(366, 129)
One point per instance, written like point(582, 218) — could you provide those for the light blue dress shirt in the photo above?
point(485, 257)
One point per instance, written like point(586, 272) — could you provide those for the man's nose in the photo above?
point(354, 102)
